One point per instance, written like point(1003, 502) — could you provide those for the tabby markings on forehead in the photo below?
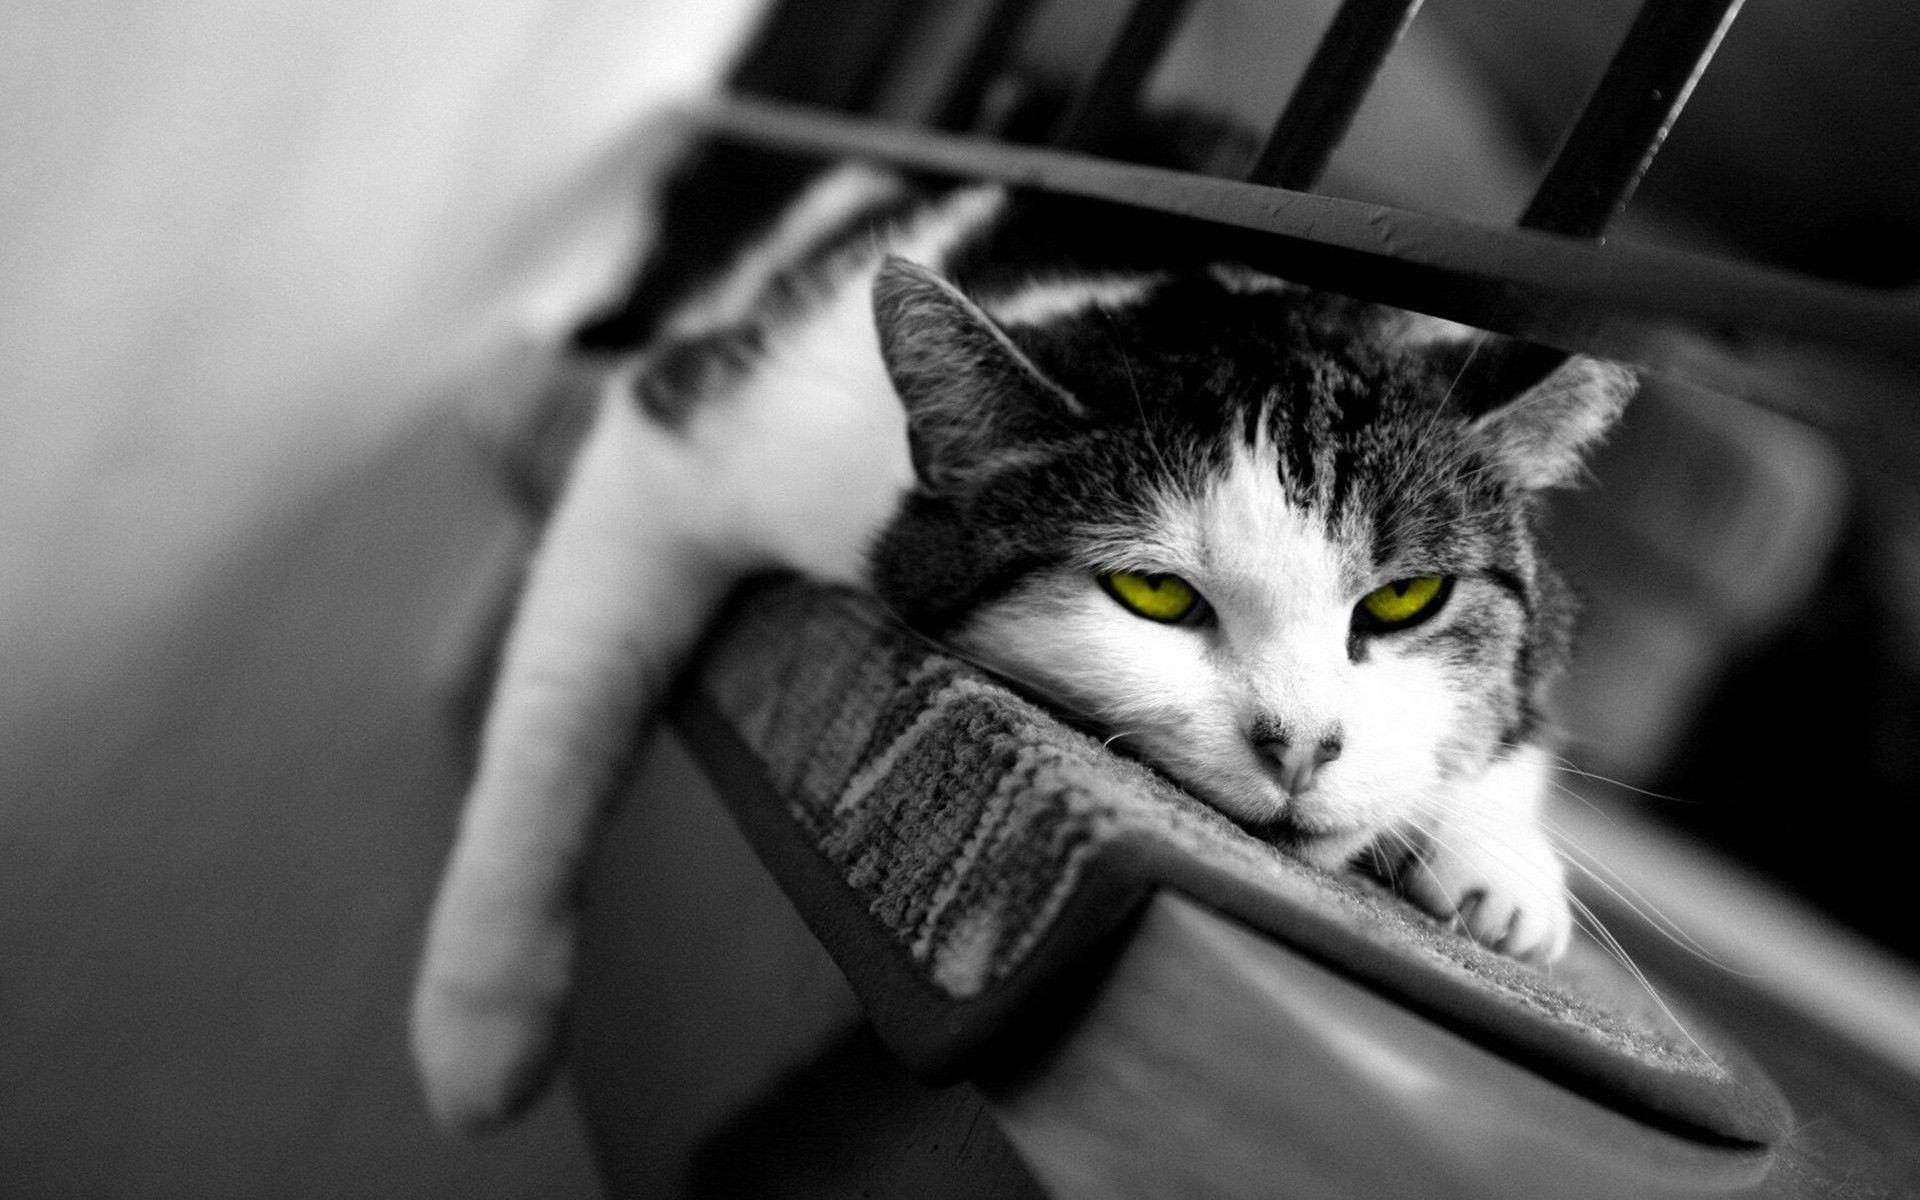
point(1254, 526)
point(1238, 536)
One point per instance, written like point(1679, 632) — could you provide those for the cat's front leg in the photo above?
point(618, 594)
point(1488, 863)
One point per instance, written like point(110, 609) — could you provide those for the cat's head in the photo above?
point(1256, 534)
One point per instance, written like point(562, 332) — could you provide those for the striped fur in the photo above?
point(976, 405)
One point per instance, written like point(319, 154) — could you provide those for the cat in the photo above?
point(1277, 543)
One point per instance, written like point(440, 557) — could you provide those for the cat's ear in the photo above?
point(1540, 438)
point(973, 398)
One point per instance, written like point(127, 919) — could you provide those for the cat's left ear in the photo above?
point(973, 398)
point(1539, 439)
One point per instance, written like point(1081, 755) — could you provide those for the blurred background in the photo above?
point(255, 262)
point(269, 278)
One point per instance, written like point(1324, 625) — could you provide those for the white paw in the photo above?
point(486, 1027)
point(1511, 896)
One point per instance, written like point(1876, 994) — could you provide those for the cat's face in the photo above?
point(1245, 531)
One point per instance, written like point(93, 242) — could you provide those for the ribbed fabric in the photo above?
point(972, 828)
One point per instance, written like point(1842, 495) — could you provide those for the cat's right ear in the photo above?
point(1538, 439)
point(974, 400)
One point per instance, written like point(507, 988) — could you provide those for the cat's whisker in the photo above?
point(1599, 929)
point(1602, 936)
point(1416, 850)
point(1494, 843)
point(1491, 836)
point(1624, 786)
point(1473, 352)
point(1478, 473)
point(1386, 863)
point(1596, 928)
point(1584, 914)
point(1439, 410)
point(1604, 877)
point(1631, 898)
point(1133, 385)
point(1576, 795)
point(1563, 763)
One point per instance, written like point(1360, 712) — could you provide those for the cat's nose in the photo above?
point(1296, 755)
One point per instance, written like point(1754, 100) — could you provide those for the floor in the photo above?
point(216, 873)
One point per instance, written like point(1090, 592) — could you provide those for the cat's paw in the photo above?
point(1511, 896)
point(486, 1031)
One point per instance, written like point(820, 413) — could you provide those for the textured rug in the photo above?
point(966, 856)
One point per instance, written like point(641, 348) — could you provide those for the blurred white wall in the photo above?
point(242, 243)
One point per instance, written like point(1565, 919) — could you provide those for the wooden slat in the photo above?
point(1630, 302)
point(1620, 129)
point(1107, 101)
point(1610, 146)
point(1331, 90)
point(981, 62)
point(828, 52)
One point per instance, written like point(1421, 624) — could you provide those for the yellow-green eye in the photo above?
point(1403, 601)
point(1167, 598)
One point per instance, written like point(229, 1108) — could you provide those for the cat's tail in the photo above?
point(617, 597)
